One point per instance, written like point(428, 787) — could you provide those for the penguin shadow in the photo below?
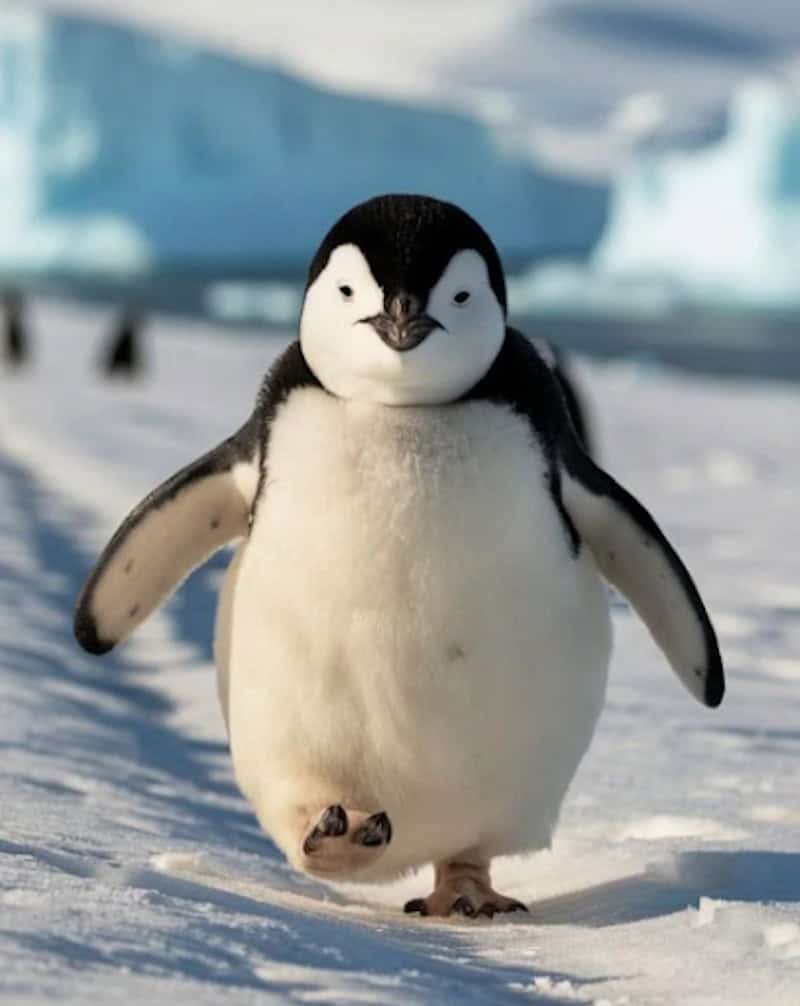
point(337, 959)
point(761, 739)
point(110, 705)
point(677, 883)
point(757, 739)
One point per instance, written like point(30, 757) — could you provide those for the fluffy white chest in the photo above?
point(406, 627)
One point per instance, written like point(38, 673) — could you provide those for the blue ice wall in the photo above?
point(121, 151)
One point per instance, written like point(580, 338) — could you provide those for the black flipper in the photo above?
point(175, 528)
point(183, 522)
point(630, 550)
point(632, 554)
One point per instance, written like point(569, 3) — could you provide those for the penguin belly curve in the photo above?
point(407, 629)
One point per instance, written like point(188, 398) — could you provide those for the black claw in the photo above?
point(332, 824)
point(416, 905)
point(376, 830)
point(488, 910)
point(517, 906)
point(463, 906)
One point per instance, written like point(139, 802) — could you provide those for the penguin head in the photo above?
point(405, 303)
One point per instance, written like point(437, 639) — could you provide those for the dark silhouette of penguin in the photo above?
point(16, 344)
point(124, 356)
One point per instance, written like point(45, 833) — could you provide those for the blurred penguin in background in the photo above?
point(16, 344)
point(123, 358)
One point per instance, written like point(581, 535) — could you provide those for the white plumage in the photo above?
point(406, 630)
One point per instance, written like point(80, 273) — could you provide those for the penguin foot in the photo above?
point(463, 889)
point(344, 841)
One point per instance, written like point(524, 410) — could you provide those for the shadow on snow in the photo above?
point(739, 875)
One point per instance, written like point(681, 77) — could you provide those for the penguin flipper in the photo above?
point(175, 528)
point(633, 554)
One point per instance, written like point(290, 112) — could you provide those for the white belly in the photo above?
point(406, 629)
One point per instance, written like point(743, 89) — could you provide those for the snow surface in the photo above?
point(122, 150)
point(130, 868)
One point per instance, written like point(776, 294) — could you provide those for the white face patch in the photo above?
point(350, 359)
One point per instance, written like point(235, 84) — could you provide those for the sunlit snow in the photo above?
point(130, 867)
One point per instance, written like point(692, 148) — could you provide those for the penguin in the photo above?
point(413, 635)
point(16, 348)
point(123, 357)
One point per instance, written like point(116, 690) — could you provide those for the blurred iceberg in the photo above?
point(122, 152)
point(723, 222)
point(716, 226)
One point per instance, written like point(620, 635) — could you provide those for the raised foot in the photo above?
point(462, 889)
point(345, 841)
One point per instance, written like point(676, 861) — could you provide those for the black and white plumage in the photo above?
point(413, 637)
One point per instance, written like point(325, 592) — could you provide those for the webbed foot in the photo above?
point(463, 889)
point(343, 841)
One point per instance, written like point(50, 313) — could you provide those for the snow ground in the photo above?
point(131, 868)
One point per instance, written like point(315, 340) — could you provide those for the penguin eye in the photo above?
point(461, 297)
point(346, 291)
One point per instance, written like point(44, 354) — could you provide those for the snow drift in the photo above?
point(120, 151)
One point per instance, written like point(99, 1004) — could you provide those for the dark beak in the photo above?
point(403, 325)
